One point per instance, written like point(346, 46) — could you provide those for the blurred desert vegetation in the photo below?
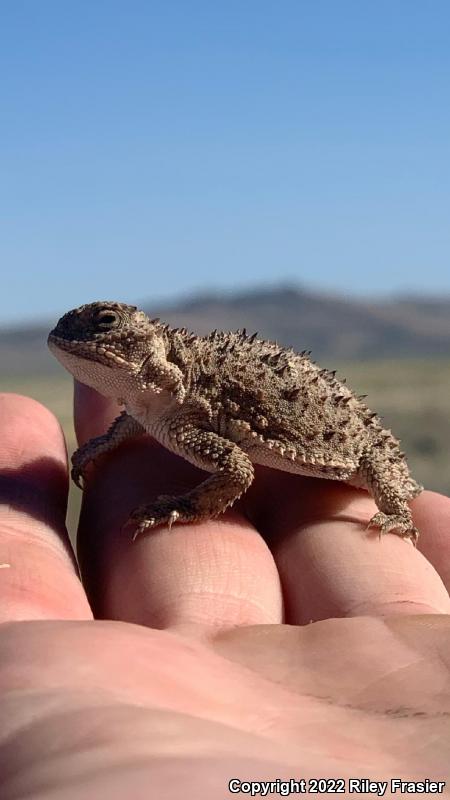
point(396, 351)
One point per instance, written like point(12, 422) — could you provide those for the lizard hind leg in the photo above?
point(232, 475)
point(390, 485)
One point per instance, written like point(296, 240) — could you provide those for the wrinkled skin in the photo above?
point(196, 677)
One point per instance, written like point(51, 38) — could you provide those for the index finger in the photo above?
point(215, 574)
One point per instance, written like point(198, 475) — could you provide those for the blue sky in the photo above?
point(151, 149)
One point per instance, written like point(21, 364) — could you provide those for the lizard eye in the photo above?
point(106, 318)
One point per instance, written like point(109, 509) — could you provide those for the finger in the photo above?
point(217, 573)
point(432, 516)
point(38, 579)
point(331, 565)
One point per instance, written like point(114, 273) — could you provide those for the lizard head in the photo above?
point(105, 345)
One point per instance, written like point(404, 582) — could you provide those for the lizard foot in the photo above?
point(81, 459)
point(401, 524)
point(165, 510)
point(78, 474)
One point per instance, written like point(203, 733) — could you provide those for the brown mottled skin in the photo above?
point(225, 402)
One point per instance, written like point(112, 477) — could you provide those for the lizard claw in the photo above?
point(394, 523)
point(78, 477)
point(150, 523)
point(165, 510)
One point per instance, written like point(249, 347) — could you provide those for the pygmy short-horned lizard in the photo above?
point(225, 402)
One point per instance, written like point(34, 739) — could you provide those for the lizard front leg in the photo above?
point(232, 475)
point(157, 372)
point(123, 427)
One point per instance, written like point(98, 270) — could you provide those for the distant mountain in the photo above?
point(334, 327)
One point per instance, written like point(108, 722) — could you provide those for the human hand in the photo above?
point(188, 677)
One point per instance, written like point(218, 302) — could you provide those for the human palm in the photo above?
point(202, 665)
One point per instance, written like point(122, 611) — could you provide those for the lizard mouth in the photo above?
point(84, 350)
